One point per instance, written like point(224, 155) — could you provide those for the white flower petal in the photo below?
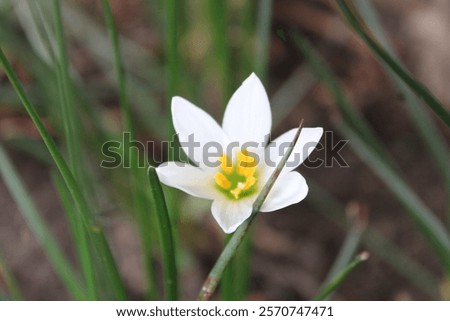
point(306, 143)
point(195, 128)
point(290, 188)
point(192, 180)
point(230, 214)
point(248, 117)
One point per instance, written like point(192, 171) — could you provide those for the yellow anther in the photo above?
point(249, 182)
point(225, 164)
point(222, 181)
point(246, 164)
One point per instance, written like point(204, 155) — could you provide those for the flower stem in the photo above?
point(210, 284)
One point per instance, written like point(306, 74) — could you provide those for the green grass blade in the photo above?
point(360, 130)
point(39, 228)
point(219, 14)
point(230, 249)
point(143, 72)
point(348, 112)
point(5, 274)
point(4, 296)
point(335, 282)
point(172, 14)
point(428, 224)
point(73, 143)
point(390, 253)
point(79, 235)
point(139, 201)
point(242, 264)
point(165, 234)
point(431, 137)
point(119, 67)
point(227, 284)
point(263, 22)
point(347, 251)
point(418, 88)
point(89, 220)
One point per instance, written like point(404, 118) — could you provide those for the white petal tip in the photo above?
point(176, 103)
point(253, 78)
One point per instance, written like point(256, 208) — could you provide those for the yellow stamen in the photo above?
point(222, 181)
point(249, 182)
point(225, 164)
point(237, 181)
point(246, 164)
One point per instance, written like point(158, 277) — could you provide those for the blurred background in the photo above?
point(211, 47)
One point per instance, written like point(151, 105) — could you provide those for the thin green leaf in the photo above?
point(89, 220)
point(348, 249)
point(358, 127)
point(389, 252)
point(39, 228)
point(139, 199)
point(432, 139)
point(227, 283)
point(79, 235)
point(348, 112)
point(263, 22)
point(219, 14)
point(8, 278)
point(172, 70)
point(420, 90)
point(73, 143)
point(230, 249)
point(165, 235)
point(428, 224)
point(333, 284)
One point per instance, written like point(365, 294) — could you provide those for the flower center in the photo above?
point(238, 180)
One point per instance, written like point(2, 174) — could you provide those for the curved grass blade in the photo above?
point(390, 253)
point(11, 284)
point(263, 22)
point(219, 14)
point(348, 248)
point(74, 150)
point(421, 91)
point(39, 228)
point(335, 282)
point(384, 167)
point(348, 112)
point(140, 203)
point(428, 224)
point(431, 137)
point(211, 282)
point(95, 230)
point(165, 235)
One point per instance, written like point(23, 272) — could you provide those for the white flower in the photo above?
point(234, 161)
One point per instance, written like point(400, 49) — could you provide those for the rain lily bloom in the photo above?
point(233, 162)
